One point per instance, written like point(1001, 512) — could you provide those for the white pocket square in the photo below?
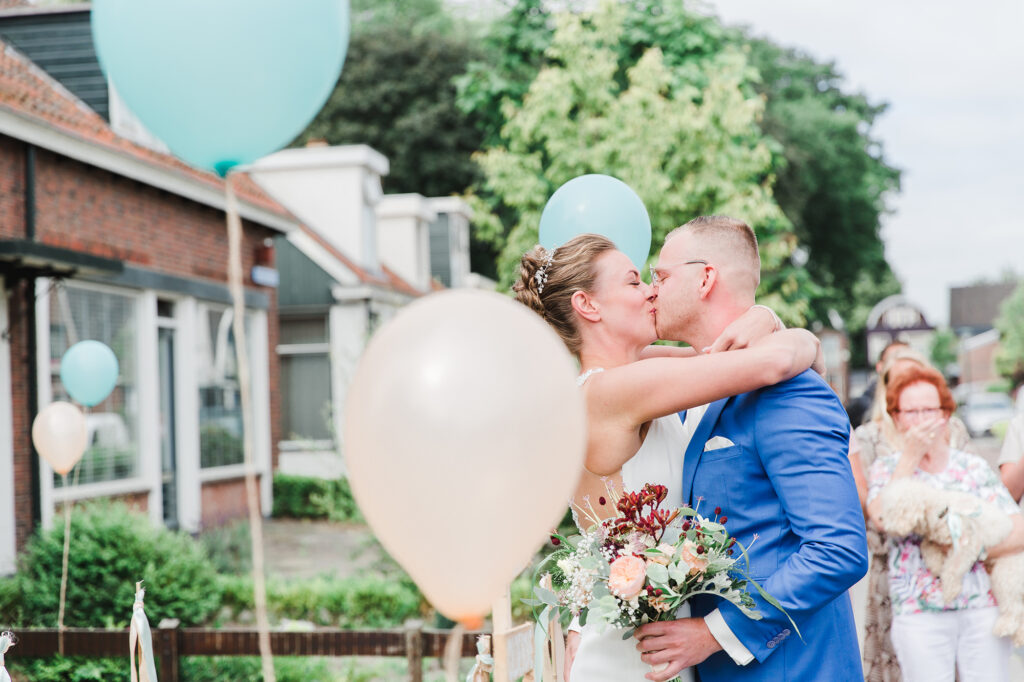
point(717, 443)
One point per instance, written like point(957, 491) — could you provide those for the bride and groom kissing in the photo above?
point(755, 431)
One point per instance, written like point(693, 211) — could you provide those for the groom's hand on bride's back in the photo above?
point(681, 643)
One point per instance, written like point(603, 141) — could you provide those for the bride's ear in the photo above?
point(585, 306)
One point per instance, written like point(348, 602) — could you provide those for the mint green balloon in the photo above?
point(222, 82)
point(89, 372)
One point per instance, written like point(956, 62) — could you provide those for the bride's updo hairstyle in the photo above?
point(548, 279)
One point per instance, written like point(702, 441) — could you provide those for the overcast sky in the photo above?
point(953, 75)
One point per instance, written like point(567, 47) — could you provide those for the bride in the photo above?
point(592, 295)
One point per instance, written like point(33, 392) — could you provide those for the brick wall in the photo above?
point(224, 501)
point(86, 209)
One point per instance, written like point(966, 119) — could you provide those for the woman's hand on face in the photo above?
point(918, 439)
point(752, 325)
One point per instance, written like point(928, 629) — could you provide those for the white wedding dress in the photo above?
point(604, 656)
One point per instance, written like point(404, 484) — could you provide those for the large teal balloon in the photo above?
point(222, 82)
point(599, 204)
point(89, 371)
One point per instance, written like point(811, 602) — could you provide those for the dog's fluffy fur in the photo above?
point(913, 507)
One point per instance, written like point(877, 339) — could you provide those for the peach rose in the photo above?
point(688, 553)
point(667, 552)
point(626, 578)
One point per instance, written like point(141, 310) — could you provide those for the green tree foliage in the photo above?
point(1010, 323)
point(944, 349)
point(686, 150)
point(832, 180)
point(396, 94)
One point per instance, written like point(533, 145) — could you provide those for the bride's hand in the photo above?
point(759, 321)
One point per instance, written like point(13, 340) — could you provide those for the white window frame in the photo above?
point(310, 445)
point(8, 528)
point(143, 481)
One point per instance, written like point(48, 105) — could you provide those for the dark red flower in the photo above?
point(555, 541)
point(601, 500)
point(723, 519)
point(700, 549)
point(718, 510)
point(729, 552)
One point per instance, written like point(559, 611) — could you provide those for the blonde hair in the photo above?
point(879, 413)
point(548, 279)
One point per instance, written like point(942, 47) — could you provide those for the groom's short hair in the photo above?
point(726, 236)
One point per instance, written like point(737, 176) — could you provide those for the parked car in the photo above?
point(982, 411)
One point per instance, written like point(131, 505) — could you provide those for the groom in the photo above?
point(775, 461)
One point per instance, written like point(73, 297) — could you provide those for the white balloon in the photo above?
point(464, 438)
point(60, 435)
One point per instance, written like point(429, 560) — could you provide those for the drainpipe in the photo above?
point(30, 320)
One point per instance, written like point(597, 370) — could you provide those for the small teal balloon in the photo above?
point(222, 82)
point(89, 371)
point(598, 204)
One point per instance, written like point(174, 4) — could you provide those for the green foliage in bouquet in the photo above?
point(643, 563)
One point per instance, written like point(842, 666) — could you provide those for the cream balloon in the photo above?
point(464, 438)
point(60, 435)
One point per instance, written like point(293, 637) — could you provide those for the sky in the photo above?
point(953, 75)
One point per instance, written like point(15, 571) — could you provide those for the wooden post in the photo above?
point(166, 647)
point(501, 618)
point(414, 649)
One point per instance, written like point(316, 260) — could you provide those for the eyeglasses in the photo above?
point(656, 280)
point(923, 412)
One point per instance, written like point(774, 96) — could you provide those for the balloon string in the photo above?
point(234, 224)
point(64, 568)
point(453, 652)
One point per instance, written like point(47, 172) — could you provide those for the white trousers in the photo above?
point(931, 645)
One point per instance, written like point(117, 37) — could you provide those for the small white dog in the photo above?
point(910, 506)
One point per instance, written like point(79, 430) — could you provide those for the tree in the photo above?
point(1010, 323)
point(832, 180)
point(944, 348)
point(396, 93)
point(685, 150)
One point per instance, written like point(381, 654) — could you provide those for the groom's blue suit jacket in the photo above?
point(786, 479)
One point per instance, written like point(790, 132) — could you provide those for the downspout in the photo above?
point(30, 320)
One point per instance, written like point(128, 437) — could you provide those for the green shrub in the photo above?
point(357, 602)
point(228, 547)
point(306, 497)
point(69, 669)
point(112, 547)
point(237, 668)
point(10, 603)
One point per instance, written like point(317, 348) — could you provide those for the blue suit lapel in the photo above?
point(696, 447)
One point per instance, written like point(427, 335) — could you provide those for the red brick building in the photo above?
point(104, 238)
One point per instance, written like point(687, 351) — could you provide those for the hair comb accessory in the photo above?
point(541, 276)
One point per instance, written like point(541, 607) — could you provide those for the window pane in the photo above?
point(304, 330)
point(79, 314)
point(220, 406)
point(306, 386)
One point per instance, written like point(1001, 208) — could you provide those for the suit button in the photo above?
point(771, 644)
point(786, 632)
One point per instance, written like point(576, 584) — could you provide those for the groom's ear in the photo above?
point(707, 284)
point(585, 306)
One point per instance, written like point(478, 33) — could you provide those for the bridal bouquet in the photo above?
point(640, 565)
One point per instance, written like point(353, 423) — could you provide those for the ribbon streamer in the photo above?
point(484, 665)
point(6, 642)
point(140, 641)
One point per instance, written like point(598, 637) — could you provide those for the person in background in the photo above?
point(1011, 458)
point(876, 438)
point(933, 638)
point(859, 408)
